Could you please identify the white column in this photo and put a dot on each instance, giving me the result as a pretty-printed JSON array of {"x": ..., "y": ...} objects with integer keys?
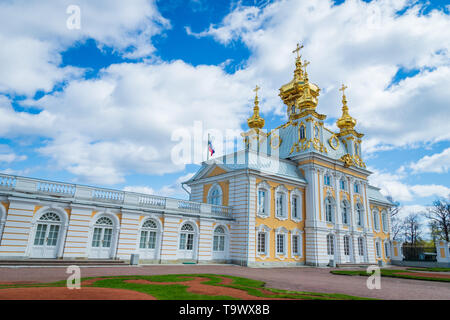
[{"x": 351, "y": 182}]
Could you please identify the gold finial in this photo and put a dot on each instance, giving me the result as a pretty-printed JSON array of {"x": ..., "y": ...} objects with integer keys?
[
  {"x": 298, "y": 50},
  {"x": 305, "y": 64},
  {"x": 345, "y": 122},
  {"x": 255, "y": 121},
  {"x": 256, "y": 90}
]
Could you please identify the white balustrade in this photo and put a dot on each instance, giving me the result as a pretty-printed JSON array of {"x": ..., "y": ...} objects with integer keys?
[{"x": 10, "y": 183}]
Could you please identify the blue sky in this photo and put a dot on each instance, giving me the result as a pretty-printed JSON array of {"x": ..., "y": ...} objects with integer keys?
[{"x": 98, "y": 105}]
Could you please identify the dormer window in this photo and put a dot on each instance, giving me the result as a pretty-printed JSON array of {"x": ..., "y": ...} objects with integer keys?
[
  {"x": 302, "y": 132},
  {"x": 327, "y": 180},
  {"x": 342, "y": 184}
]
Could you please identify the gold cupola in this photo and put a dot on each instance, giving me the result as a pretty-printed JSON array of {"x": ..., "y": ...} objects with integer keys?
[
  {"x": 300, "y": 95},
  {"x": 345, "y": 122},
  {"x": 255, "y": 121}
]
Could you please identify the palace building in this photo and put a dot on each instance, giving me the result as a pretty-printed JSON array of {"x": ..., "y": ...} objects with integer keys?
[{"x": 295, "y": 195}]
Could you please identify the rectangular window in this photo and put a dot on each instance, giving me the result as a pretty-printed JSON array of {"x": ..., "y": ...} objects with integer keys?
[
  {"x": 152, "y": 240},
  {"x": 386, "y": 249},
  {"x": 142, "y": 242},
  {"x": 377, "y": 245},
  {"x": 261, "y": 242},
  {"x": 262, "y": 201},
  {"x": 40, "y": 234},
  {"x": 107, "y": 235},
  {"x": 280, "y": 204},
  {"x": 347, "y": 246},
  {"x": 296, "y": 244},
  {"x": 361, "y": 247},
  {"x": 280, "y": 243},
  {"x": 190, "y": 242},
  {"x": 294, "y": 207},
  {"x": 330, "y": 245},
  {"x": 356, "y": 188},
  {"x": 342, "y": 185},
  {"x": 96, "y": 237},
  {"x": 384, "y": 220},
  {"x": 183, "y": 241}
]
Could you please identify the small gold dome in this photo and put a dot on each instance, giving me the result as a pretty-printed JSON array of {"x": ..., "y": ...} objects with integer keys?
[
  {"x": 255, "y": 121},
  {"x": 345, "y": 122}
]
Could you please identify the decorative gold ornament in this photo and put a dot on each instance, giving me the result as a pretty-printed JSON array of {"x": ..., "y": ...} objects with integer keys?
[
  {"x": 277, "y": 139},
  {"x": 347, "y": 159},
  {"x": 255, "y": 121},
  {"x": 334, "y": 142}
]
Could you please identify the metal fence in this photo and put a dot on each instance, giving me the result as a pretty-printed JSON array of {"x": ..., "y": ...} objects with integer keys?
[{"x": 419, "y": 253}]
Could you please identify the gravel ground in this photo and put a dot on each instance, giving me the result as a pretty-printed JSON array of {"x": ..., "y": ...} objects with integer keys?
[{"x": 299, "y": 279}]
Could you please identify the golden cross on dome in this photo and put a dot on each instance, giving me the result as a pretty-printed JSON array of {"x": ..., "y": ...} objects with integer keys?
[
  {"x": 256, "y": 90},
  {"x": 343, "y": 89},
  {"x": 298, "y": 50},
  {"x": 305, "y": 64}
]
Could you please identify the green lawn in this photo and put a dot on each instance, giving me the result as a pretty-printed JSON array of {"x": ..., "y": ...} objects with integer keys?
[
  {"x": 178, "y": 291},
  {"x": 431, "y": 269},
  {"x": 389, "y": 273}
]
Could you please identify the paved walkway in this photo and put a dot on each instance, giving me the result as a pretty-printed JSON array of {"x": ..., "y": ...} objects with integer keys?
[{"x": 299, "y": 279}]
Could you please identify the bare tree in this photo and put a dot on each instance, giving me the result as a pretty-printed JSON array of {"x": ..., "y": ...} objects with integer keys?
[
  {"x": 411, "y": 228},
  {"x": 396, "y": 221},
  {"x": 439, "y": 215}
]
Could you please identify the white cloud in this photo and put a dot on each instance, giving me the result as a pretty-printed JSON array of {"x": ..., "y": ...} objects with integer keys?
[
  {"x": 121, "y": 123},
  {"x": 438, "y": 163},
  {"x": 140, "y": 189},
  {"x": 363, "y": 45},
  {"x": 33, "y": 33},
  {"x": 393, "y": 185}
]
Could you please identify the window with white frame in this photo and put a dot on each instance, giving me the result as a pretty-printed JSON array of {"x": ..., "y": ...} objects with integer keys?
[
  {"x": 356, "y": 187},
  {"x": 345, "y": 212},
  {"x": 296, "y": 245},
  {"x": 359, "y": 215},
  {"x": 215, "y": 196},
  {"x": 361, "y": 246},
  {"x": 384, "y": 221},
  {"x": 281, "y": 243},
  {"x": 329, "y": 210},
  {"x": 148, "y": 235},
  {"x": 330, "y": 244},
  {"x": 263, "y": 200},
  {"x": 280, "y": 203},
  {"x": 376, "y": 220},
  {"x": 262, "y": 239},
  {"x": 219, "y": 239},
  {"x": 346, "y": 245},
  {"x": 378, "y": 249},
  {"x": 296, "y": 205}
]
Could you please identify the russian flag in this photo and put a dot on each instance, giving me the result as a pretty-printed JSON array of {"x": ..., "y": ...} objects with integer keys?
[{"x": 210, "y": 147}]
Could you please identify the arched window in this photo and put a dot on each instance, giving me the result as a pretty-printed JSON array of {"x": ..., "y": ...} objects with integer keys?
[
  {"x": 345, "y": 210},
  {"x": 329, "y": 210},
  {"x": 293, "y": 109},
  {"x": 356, "y": 188},
  {"x": 148, "y": 235},
  {"x": 384, "y": 221},
  {"x": 102, "y": 233},
  {"x": 330, "y": 244},
  {"x": 187, "y": 237},
  {"x": 347, "y": 245},
  {"x": 219, "y": 239},
  {"x": 47, "y": 230},
  {"x": 50, "y": 216},
  {"x": 215, "y": 196},
  {"x": 302, "y": 132},
  {"x": 376, "y": 220},
  {"x": 359, "y": 215}
]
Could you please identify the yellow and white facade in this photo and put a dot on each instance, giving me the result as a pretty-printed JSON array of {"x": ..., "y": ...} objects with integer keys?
[{"x": 296, "y": 195}]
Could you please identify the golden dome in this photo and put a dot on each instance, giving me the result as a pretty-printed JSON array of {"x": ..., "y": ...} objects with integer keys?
[
  {"x": 345, "y": 122},
  {"x": 255, "y": 121}
]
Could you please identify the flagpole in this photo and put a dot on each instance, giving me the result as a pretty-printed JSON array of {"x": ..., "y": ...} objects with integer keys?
[{"x": 207, "y": 148}]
